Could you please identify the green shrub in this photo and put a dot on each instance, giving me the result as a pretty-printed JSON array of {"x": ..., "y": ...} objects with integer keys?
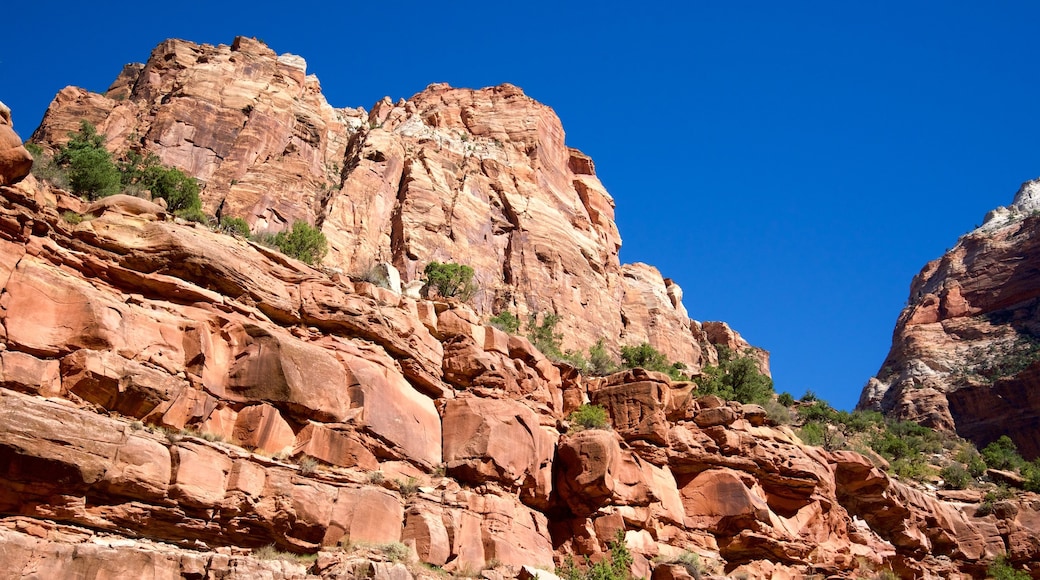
[
  {"x": 90, "y": 168},
  {"x": 589, "y": 417},
  {"x": 506, "y": 322},
  {"x": 735, "y": 380},
  {"x": 860, "y": 421},
  {"x": 173, "y": 185},
  {"x": 777, "y": 413},
  {"x": 905, "y": 439},
  {"x": 1002, "y": 454},
  {"x": 544, "y": 336},
  {"x": 688, "y": 560},
  {"x": 1031, "y": 472},
  {"x": 450, "y": 280},
  {"x": 809, "y": 397},
  {"x": 576, "y": 359},
  {"x": 193, "y": 214},
  {"x": 407, "y": 487},
  {"x": 617, "y": 567},
  {"x": 44, "y": 167},
  {"x": 180, "y": 191},
  {"x": 818, "y": 411},
  {"x": 812, "y": 433},
  {"x": 304, "y": 242},
  {"x": 785, "y": 399},
  {"x": 955, "y": 476},
  {"x": 970, "y": 457},
  {"x": 234, "y": 226},
  {"x": 1000, "y": 569},
  {"x": 600, "y": 361},
  {"x": 644, "y": 356},
  {"x": 911, "y": 467}
]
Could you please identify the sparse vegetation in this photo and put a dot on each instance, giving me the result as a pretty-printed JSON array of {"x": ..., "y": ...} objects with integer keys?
[
  {"x": 407, "y": 487},
  {"x": 1000, "y": 569},
  {"x": 589, "y": 417},
  {"x": 74, "y": 218},
  {"x": 735, "y": 379},
  {"x": 394, "y": 551},
  {"x": 146, "y": 173},
  {"x": 45, "y": 168},
  {"x": 989, "y": 501},
  {"x": 544, "y": 336},
  {"x": 303, "y": 242},
  {"x": 450, "y": 280},
  {"x": 91, "y": 172},
  {"x": 308, "y": 465},
  {"x": 647, "y": 357},
  {"x": 955, "y": 476},
  {"x": 271, "y": 552},
  {"x": 234, "y": 226},
  {"x": 506, "y": 322},
  {"x": 617, "y": 567},
  {"x": 600, "y": 361},
  {"x": 690, "y": 561}
]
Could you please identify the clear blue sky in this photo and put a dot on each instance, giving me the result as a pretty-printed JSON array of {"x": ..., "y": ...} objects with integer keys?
[{"x": 790, "y": 164}]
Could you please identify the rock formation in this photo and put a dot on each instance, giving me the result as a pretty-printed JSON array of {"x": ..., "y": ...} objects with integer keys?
[
  {"x": 178, "y": 402},
  {"x": 479, "y": 177},
  {"x": 965, "y": 350},
  {"x": 15, "y": 161}
]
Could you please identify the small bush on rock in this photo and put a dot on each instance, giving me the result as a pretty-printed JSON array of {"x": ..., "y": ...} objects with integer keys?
[
  {"x": 735, "y": 379},
  {"x": 234, "y": 226},
  {"x": 304, "y": 242},
  {"x": 90, "y": 168},
  {"x": 589, "y": 417},
  {"x": 506, "y": 322},
  {"x": 544, "y": 336},
  {"x": 450, "y": 280}
]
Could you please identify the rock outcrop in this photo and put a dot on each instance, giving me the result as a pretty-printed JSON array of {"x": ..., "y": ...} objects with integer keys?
[
  {"x": 174, "y": 399},
  {"x": 966, "y": 349},
  {"x": 178, "y": 402},
  {"x": 479, "y": 177},
  {"x": 15, "y": 161}
]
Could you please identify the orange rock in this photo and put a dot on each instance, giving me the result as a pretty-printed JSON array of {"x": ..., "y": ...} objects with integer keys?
[
  {"x": 29, "y": 374},
  {"x": 262, "y": 427},
  {"x": 499, "y": 440},
  {"x": 718, "y": 500},
  {"x": 636, "y": 410},
  {"x": 427, "y": 532},
  {"x": 368, "y": 514},
  {"x": 200, "y": 475},
  {"x": 334, "y": 446},
  {"x": 15, "y": 161}
]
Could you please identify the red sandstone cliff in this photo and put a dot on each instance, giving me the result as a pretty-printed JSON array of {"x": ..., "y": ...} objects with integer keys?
[
  {"x": 172, "y": 399},
  {"x": 480, "y": 177},
  {"x": 965, "y": 350}
]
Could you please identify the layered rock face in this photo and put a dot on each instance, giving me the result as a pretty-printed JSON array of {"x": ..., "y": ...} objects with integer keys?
[
  {"x": 478, "y": 177},
  {"x": 173, "y": 399},
  {"x": 965, "y": 350}
]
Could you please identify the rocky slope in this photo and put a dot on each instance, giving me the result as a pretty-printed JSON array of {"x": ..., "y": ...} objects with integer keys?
[
  {"x": 318, "y": 415},
  {"x": 173, "y": 400},
  {"x": 480, "y": 177},
  {"x": 966, "y": 349}
]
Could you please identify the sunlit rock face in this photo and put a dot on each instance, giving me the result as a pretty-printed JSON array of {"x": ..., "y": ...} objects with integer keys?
[
  {"x": 479, "y": 177},
  {"x": 965, "y": 349},
  {"x": 174, "y": 399}
]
